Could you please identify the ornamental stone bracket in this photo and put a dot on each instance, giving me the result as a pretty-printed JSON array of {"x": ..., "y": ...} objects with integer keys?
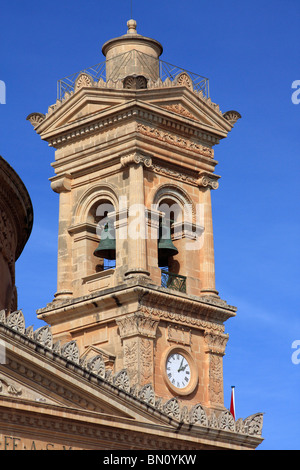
[
  {"x": 61, "y": 183},
  {"x": 136, "y": 158}
]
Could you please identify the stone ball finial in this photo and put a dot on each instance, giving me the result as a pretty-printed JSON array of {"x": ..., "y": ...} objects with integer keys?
[{"x": 131, "y": 24}]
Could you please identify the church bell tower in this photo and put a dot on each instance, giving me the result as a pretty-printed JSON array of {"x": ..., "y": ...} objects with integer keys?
[{"x": 134, "y": 170}]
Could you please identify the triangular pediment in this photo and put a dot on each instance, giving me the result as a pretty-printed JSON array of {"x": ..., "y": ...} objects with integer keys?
[
  {"x": 86, "y": 103},
  {"x": 89, "y": 105},
  {"x": 184, "y": 105}
]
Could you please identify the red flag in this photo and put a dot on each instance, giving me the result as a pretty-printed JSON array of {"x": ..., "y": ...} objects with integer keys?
[{"x": 232, "y": 403}]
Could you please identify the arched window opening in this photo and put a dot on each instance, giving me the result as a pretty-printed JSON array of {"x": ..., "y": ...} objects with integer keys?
[
  {"x": 171, "y": 215},
  {"x": 104, "y": 217}
]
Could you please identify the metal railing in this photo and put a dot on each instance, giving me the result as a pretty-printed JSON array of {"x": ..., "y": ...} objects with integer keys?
[
  {"x": 173, "y": 281},
  {"x": 149, "y": 63}
]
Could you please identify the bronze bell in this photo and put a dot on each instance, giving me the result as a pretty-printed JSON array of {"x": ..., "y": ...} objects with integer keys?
[
  {"x": 165, "y": 246},
  {"x": 107, "y": 246}
]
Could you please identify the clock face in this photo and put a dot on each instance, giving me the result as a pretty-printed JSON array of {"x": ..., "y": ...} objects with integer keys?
[{"x": 178, "y": 370}]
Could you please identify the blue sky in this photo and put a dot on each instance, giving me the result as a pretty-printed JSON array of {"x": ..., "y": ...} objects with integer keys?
[{"x": 249, "y": 50}]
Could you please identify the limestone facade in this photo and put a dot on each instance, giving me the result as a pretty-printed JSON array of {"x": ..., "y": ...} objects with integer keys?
[{"x": 127, "y": 151}]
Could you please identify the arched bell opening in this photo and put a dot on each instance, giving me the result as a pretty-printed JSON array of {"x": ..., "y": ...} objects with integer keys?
[
  {"x": 168, "y": 246},
  {"x": 103, "y": 214}
]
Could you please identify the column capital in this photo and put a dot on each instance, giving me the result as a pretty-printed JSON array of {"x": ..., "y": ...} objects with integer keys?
[
  {"x": 208, "y": 180},
  {"x": 137, "y": 324},
  {"x": 136, "y": 158}
]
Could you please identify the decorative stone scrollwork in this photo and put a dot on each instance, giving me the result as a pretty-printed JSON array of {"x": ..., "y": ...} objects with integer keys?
[
  {"x": 172, "y": 409},
  {"x": 71, "y": 352},
  {"x": 232, "y": 116},
  {"x": 226, "y": 421},
  {"x": 135, "y": 82},
  {"x": 83, "y": 80},
  {"x": 208, "y": 181},
  {"x": 147, "y": 394},
  {"x": 137, "y": 158},
  {"x": 253, "y": 424},
  {"x": 121, "y": 380},
  {"x": 16, "y": 321},
  {"x": 198, "y": 416},
  {"x": 36, "y": 119},
  {"x": 44, "y": 336},
  {"x": 97, "y": 366},
  {"x": 183, "y": 79}
]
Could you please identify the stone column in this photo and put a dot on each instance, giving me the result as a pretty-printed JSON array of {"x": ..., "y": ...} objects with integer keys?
[
  {"x": 137, "y": 230},
  {"x": 207, "y": 268},
  {"x": 62, "y": 186},
  {"x": 138, "y": 334}
]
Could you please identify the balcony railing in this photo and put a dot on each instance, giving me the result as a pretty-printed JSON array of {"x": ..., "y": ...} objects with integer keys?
[
  {"x": 129, "y": 60},
  {"x": 173, "y": 281}
]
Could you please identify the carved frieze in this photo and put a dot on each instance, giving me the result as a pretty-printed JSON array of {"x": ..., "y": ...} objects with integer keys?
[{"x": 174, "y": 139}]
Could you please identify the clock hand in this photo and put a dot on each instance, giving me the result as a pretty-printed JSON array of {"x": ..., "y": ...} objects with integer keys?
[{"x": 180, "y": 367}]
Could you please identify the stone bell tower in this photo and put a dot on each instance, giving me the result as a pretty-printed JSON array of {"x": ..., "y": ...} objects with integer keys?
[{"x": 134, "y": 169}]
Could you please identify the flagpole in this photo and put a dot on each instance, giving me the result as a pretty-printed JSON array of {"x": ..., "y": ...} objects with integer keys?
[{"x": 232, "y": 402}]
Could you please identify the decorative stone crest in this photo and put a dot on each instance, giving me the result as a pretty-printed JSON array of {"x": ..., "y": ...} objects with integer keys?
[
  {"x": 71, "y": 352},
  {"x": 36, "y": 119},
  {"x": 183, "y": 79},
  {"x": 232, "y": 116},
  {"x": 226, "y": 421},
  {"x": 147, "y": 394},
  {"x": 121, "y": 380},
  {"x": 133, "y": 82},
  {"x": 172, "y": 409},
  {"x": 44, "y": 336},
  {"x": 198, "y": 416},
  {"x": 97, "y": 366},
  {"x": 253, "y": 424},
  {"x": 83, "y": 80},
  {"x": 16, "y": 321}
]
